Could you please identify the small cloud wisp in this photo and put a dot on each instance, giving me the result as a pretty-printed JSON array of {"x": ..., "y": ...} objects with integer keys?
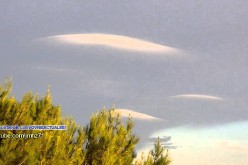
[
  {"x": 199, "y": 97},
  {"x": 136, "y": 115}
]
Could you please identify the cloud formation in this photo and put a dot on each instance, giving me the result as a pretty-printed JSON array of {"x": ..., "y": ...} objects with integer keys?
[
  {"x": 197, "y": 96},
  {"x": 113, "y": 41},
  {"x": 135, "y": 115}
]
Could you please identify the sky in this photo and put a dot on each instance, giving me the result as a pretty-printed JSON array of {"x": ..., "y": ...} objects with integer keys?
[{"x": 178, "y": 67}]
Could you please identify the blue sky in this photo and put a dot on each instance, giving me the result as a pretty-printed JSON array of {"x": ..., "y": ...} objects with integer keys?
[
  {"x": 224, "y": 144},
  {"x": 178, "y": 66}
]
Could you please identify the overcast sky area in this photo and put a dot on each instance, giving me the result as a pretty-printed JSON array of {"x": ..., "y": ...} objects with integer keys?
[{"x": 179, "y": 67}]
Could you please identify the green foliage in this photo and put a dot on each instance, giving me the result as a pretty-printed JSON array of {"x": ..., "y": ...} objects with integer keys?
[
  {"x": 55, "y": 147},
  {"x": 156, "y": 156},
  {"x": 106, "y": 140},
  {"x": 109, "y": 140}
]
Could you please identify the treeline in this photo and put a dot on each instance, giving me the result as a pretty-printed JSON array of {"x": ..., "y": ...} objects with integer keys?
[{"x": 105, "y": 140}]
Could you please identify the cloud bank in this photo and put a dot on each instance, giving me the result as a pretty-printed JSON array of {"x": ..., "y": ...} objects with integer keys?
[
  {"x": 135, "y": 115},
  {"x": 113, "y": 41},
  {"x": 197, "y": 96}
]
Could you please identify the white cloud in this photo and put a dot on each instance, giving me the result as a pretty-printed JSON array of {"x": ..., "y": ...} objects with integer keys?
[
  {"x": 197, "y": 96},
  {"x": 113, "y": 41},
  {"x": 135, "y": 115}
]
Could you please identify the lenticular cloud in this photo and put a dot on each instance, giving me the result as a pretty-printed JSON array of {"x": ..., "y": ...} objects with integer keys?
[
  {"x": 113, "y": 41},
  {"x": 135, "y": 115},
  {"x": 196, "y": 96}
]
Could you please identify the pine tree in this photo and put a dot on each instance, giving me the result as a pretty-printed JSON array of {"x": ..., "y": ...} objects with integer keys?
[
  {"x": 110, "y": 141},
  {"x": 55, "y": 147},
  {"x": 156, "y": 156},
  {"x": 106, "y": 140}
]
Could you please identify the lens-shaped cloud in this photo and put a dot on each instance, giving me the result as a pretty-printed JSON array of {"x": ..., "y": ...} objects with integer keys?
[
  {"x": 135, "y": 115},
  {"x": 197, "y": 96},
  {"x": 113, "y": 41}
]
